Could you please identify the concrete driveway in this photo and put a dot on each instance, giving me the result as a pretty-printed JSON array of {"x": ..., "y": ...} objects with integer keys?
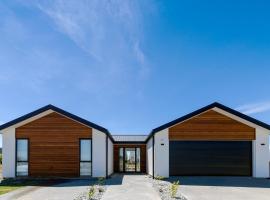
[
  {"x": 224, "y": 188},
  {"x": 130, "y": 187},
  {"x": 67, "y": 190}
]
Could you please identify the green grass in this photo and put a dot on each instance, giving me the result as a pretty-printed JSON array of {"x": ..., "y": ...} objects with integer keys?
[
  {"x": 8, "y": 185},
  {"x": 6, "y": 189}
]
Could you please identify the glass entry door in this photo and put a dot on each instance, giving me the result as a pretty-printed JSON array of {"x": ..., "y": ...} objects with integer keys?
[{"x": 129, "y": 159}]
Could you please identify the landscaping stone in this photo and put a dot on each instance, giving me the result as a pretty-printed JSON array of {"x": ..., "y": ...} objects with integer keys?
[
  {"x": 163, "y": 189},
  {"x": 99, "y": 191}
]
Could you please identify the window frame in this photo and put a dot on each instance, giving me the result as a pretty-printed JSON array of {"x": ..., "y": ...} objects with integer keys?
[
  {"x": 20, "y": 161},
  {"x": 138, "y": 165},
  {"x": 83, "y": 161},
  {"x": 124, "y": 158}
]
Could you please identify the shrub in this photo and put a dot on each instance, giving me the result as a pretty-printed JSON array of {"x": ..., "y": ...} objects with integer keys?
[
  {"x": 174, "y": 188},
  {"x": 101, "y": 181},
  {"x": 160, "y": 178},
  {"x": 101, "y": 189},
  {"x": 91, "y": 192}
]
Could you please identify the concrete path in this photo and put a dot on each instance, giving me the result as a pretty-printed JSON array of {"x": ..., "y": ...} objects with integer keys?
[
  {"x": 224, "y": 188},
  {"x": 130, "y": 187},
  {"x": 64, "y": 191}
]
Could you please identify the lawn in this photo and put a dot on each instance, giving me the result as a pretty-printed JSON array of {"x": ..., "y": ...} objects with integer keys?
[
  {"x": 8, "y": 185},
  {"x": 6, "y": 189}
]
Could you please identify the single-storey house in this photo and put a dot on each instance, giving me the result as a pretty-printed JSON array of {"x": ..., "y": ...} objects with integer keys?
[{"x": 212, "y": 141}]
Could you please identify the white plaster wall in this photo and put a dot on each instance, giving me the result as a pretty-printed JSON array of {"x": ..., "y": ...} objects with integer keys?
[
  {"x": 161, "y": 153},
  {"x": 99, "y": 153},
  {"x": 110, "y": 157},
  {"x": 149, "y": 157},
  {"x": 261, "y": 154},
  {"x": 8, "y": 140}
]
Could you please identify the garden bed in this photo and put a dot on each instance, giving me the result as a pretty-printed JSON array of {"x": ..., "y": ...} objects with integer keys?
[
  {"x": 165, "y": 189},
  {"x": 95, "y": 191}
]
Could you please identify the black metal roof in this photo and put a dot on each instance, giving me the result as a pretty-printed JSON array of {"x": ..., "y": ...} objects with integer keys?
[
  {"x": 134, "y": 138},
  {"x": 58, "y": 110},
  {"x": 208, "y": 107},
  {"x": 129, "y": 138}
]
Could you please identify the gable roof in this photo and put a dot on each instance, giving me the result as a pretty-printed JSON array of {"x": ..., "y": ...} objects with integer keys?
[
  {"x": 60, "y": 111},
  {"x": 129, "y": 138},
  {"x": 201, "y": 110}
]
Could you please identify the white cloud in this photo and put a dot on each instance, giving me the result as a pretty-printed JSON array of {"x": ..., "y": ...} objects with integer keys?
[
  {"x": 103, "y": 41},
  {"x": 106, "y": 30},
  {"x": 110, "y": 32},
  {"x": 254, "y": 108}
]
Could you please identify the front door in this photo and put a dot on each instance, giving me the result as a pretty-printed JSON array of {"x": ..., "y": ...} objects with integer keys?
[{"x": 129, "y": 159}]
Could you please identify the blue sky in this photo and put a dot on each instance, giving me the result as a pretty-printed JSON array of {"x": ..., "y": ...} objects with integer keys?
[{"x": 131, "y": 66}]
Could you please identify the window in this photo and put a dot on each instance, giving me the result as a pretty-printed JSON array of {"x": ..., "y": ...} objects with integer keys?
[
  {"x": 22, "y": 157},
  {"x": 85, "y": 157},
  {"x": 121, "y": 159},
  {"x": 138, "y": 159}
]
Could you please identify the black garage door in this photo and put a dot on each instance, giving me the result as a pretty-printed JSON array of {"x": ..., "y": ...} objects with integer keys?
[{"x": 208, "y": 158}]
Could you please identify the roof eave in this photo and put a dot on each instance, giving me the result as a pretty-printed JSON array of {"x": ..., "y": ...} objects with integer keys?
[
  {"x": 60, "y": 111},
  {"x": 201, "y": 110}
]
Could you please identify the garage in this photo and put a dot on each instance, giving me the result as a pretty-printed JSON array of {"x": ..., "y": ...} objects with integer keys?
[
  {"x": 212, "y": 141},
  {"x": 210, "y": 158},
  {"x": 210, "y": 144}
]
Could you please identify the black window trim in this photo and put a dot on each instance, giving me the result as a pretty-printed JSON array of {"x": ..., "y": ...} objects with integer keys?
[
  {"x": 124, "y": 159},
  {"x": 91, "y": 155},
  {"x": 21, "y": 161}
]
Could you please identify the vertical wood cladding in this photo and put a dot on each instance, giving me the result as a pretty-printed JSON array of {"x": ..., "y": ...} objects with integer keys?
[
  {"x": 211, "y": 125},
  {"x": 54, "y": 145},
  {"x": 116, "y": 155}
]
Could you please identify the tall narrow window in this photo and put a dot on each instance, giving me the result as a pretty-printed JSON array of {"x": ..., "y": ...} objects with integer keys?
[
  {"x": 85, "y": 157},
  {"x": 121, "y": 159},
  {"x": 138, "y": 159},
  {"x": 22, "y": 157}
]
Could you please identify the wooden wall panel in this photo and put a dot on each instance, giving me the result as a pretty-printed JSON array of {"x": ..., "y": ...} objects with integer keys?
[
  {"x": 54, "y": 145},
  {"x": 211, "y": 125},
  {"x": 116, "y": 155}
]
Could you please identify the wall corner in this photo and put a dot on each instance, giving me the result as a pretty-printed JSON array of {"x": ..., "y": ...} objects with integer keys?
[
  {"x": 161, "y": 155},
  {"x": 99, "y": 153},
  {"x": 261, "y": 154},
  {"x": 8, "y": 140}
]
